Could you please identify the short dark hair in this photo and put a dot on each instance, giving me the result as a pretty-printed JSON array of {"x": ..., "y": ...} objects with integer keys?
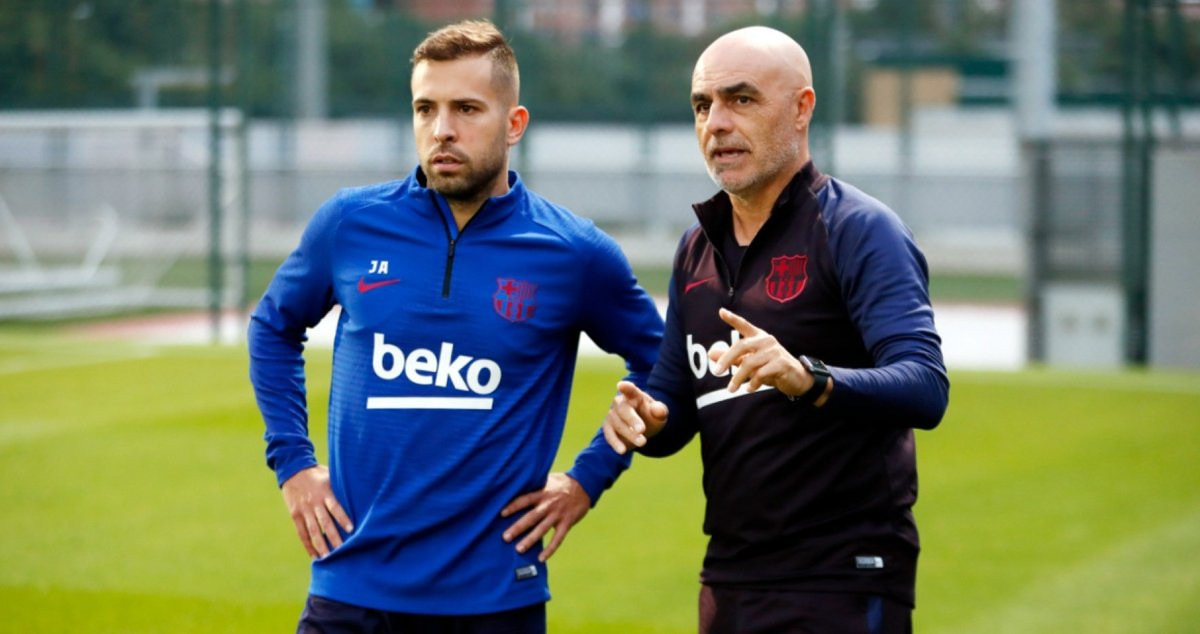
[{"x": 470, "y": 38}]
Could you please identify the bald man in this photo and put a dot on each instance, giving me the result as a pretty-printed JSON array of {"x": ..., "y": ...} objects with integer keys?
[{"x": 800, "y": 346}]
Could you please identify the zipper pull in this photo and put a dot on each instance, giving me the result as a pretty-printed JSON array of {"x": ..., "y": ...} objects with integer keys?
[{"x": 449, "y": 268}]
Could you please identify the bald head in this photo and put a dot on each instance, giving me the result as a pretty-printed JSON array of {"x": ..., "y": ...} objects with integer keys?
[
  {"x": 762, "y": 51},
  {"x": 752, "y": 98}
]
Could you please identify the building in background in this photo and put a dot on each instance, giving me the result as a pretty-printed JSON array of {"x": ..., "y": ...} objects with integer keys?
[
  {"x": 919, "y": 97},
  {"x": 605, "y": 20}
]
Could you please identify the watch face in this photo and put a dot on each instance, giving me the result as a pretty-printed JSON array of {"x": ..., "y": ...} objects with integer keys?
[{"x": 814, "y": 366}]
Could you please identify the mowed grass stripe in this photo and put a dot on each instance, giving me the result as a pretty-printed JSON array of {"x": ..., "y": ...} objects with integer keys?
[
  {"x": 41, "y": 353},
  {"x": 55, "y": 609},
  {"x": 1027, "y": 478},
  {"x": 144, "y": 385},
  {"x": 152, "y": 485},
  {"x": 1147, "y": 584},
  {"x": 1137, "y": 381},
  {"x": 182, "y": 507},
  {"x": 14, "y": 432},
  {"x": 12, "y": 367}
]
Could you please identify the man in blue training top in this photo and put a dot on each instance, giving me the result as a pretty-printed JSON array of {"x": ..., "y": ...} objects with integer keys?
[
  {"x": 800, "y": 345},
  {"x": 462, "y": 297}
]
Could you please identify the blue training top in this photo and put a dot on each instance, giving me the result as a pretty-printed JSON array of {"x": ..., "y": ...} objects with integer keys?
[{"x": 452, "y": 368}]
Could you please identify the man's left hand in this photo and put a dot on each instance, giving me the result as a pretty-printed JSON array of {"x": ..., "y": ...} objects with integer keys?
[
  {"x": 759, "y": 358},
  {"x": 559, "y": 505}
]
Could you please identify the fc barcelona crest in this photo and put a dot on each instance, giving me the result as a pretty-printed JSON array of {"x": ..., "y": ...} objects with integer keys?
[
  {"x": 789, "y": 273},
  {"x": 515, "y": 300}
]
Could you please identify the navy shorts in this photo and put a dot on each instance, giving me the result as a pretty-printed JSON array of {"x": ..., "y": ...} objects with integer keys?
[
  {"x": 325, "y": 616},
  {"x": 732, "y": 610}
]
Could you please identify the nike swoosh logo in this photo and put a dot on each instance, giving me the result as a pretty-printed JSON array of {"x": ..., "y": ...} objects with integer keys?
[
  {"x": 687, "y": 289},
  {"x": 364, "y": 285}
]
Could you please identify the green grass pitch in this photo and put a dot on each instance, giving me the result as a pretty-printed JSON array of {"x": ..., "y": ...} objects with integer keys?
[{"x": 135, "y": 499}]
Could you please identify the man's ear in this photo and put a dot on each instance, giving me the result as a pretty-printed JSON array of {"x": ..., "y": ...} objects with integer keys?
[
  {"x": 806, "y": 101},
  {"x": 518, "y": 120}
]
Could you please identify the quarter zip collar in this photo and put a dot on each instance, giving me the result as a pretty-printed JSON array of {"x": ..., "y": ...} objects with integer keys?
[
  {"x": 493, "y": 210},
  {"x": 716, "y": 213},
  {"x": 716, "y": 217}
]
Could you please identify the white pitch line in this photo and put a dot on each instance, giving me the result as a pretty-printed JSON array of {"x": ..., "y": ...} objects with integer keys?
[
  {"x": 19, "y": 366},
  {"x": 12, "y": 433}
]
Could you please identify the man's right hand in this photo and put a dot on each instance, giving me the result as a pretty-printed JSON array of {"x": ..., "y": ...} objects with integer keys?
[
  {"x": 633, "y": 417},
  {"x": 314, "y": 510}
]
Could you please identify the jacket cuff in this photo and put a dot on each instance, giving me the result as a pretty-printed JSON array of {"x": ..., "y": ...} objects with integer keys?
[
  {"x": 596, "y": 480},
  {"x": 285, "y": 469}
]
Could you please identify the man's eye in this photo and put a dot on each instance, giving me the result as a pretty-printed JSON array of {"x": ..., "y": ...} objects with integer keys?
[
  {"x": 701, "y": 108},
  {"x": 743, "y": 100},
  {"x": 466, "y": 109}
]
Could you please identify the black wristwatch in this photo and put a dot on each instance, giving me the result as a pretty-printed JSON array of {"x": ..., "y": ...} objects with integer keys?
[{"x": 820, "y": 374}]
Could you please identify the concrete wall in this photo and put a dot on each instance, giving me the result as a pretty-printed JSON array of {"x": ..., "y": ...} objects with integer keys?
[{"x": 1175, "y": 259}]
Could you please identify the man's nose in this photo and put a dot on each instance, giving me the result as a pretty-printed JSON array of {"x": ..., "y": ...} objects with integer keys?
[
  {"x": 443, "y": 129},
  {"x": 718, "y": 121}
]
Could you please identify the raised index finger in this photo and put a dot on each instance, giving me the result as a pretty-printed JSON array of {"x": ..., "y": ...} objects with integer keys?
[
  {"x": 630, "y": 391},
  {"x": 738, "y": 322}
]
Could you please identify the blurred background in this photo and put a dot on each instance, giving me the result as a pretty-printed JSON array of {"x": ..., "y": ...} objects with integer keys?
[
  {"x": 159, "y": 158},
  {"x": 166, "y": 154}
]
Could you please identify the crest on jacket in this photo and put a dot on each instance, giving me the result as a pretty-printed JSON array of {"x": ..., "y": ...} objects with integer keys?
[
  {"x": 789, "y": 274},
  {"x": 515, "y": 300}
]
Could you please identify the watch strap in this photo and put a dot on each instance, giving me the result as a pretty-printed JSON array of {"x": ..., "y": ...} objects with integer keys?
[{"x": 820, "y": 374}]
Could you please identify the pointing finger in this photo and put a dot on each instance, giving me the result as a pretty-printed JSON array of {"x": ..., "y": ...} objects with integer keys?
[
  {"x": 631, "y": 392},
  {"x": 738, "y": 322}
]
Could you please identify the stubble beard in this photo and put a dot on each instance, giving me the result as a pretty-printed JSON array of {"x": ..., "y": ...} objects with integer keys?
[
  {"x": 776, "y": 157},
  {"x": 477, "y": 176}
]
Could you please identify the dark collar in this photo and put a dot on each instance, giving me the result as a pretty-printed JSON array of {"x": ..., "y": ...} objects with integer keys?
[{"x": 716, "y": 213}]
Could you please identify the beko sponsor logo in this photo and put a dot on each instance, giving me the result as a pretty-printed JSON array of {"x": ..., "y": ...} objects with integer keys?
[
  {"x": 422, "y": 366},
  {"x": 701, "y": 366}
]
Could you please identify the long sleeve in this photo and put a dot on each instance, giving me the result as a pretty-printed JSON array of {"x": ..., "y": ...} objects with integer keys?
[
  {"x": 670, "y": 383},
  {"x": 300, "y": 294},
  {"x": 622, "y": 319},
  {"x": 885, "y": 282}
]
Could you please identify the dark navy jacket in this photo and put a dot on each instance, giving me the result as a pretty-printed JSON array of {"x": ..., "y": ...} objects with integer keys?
[{"x": 803, "y": 497}]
